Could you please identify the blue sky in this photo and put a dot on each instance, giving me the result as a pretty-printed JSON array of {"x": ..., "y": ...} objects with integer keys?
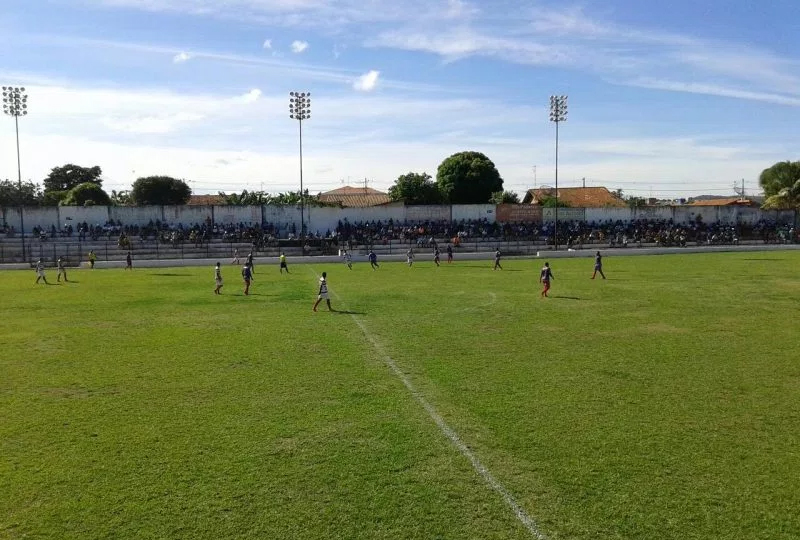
[{"x": 665, "y": 99}]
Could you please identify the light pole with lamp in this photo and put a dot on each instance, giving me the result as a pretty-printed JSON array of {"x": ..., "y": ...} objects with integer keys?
[
  {"x": 15, "y": 103},
  {"x": 300, "y": 109},
  {"x": 558, "y": 113}
]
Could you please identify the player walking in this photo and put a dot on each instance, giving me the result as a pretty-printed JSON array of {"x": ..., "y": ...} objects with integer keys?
[
  {"x": 250, "y": 263},
  {"x": 92, "y": 258},
  {"x": 436, "y": 256},
  {"x": 283, "y": 263},
  {"x": 348, "y": 259},
  {"x": 128, "y": 262},
  {"x": 598, "y": 265},
  {"x": 373, "y": 260},
  {"x": 449, "y": 253},
  {"x": 497, "y": 260},
  {"x": 247, "y": 276},
  {"x": 40, "y": 272},
  {"x": 217, "y": 278},
  {"x": 323, "y": 292},
  {"x": 235, "y": 256},
  {"x": 410, "y": 257},
  {"x": 61, "y": 270},
  {"x": 545, "y": 277}
]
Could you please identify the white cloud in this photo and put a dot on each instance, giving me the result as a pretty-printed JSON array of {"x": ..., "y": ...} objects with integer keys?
[
  {"x": 251, "y": 97},
  {"x": 181, "y": 57},
  {"x": 267, "y": 44},
  {"x": 299, "y": 46},
  {"x": 367, "y": 81}
]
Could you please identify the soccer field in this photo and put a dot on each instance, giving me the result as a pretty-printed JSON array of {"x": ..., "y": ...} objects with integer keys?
[{"x": 661, "y": 403}]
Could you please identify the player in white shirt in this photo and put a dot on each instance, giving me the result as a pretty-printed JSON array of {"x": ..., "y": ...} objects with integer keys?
[
  {"x": 217, "y": 278},
  {"x": 40, "y": 272},
  {"x": 410, "y": 257},
  {"x": 323, "y": 292},
  {"x": 61, "y": 270},
  {"x": 348, "y": 259}
]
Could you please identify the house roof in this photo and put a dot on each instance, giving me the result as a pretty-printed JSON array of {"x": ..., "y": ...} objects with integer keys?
[
  {"x": 732, "y": 201},
  {"x": 205, "y": 200},
  {"x": 355, "y": 197},
  {"x": 578, "y": 197}
]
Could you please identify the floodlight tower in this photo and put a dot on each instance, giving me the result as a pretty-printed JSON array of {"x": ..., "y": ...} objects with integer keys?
[
  {"x": 300, "y": 109},
  {"x": 15, "y": 103},
  {"x": 558, "y": 113}
]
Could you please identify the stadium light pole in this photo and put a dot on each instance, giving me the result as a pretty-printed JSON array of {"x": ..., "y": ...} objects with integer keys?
[
  {"x": 558, "y": 113},
  {"x": 15, "y": 103},
  {"x": 300, "y": 109}
]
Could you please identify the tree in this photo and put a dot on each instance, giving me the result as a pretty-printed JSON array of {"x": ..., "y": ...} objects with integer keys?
[
  {"x": 504, "y": 197},
  {"x": 246, "y": 198},
  {"x": 68, "y": 176},
  {"x": 781, "y": 185},
  {"x": 121, "y": 198},
  {"x": 160, "y": 190},
  {"x": 468, "y": 178},
  {"x": 86, "y": 194},
  {"x": 12, "y": 195},
  {"x": 551, "y": 202},
  {"x": 416, "y": 188},
  {"x": 636, "y": 202}
]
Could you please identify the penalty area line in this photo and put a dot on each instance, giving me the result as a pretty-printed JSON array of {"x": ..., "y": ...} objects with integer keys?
[{"x": 445, "y": 428}]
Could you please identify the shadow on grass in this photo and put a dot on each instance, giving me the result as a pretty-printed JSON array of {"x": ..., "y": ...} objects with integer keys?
[
  {"x": 565, "y": 297},
  {"x": 764, "y": 259},
  {"x": 346, "y": 312},
  {"x": 172, "y": 275}
]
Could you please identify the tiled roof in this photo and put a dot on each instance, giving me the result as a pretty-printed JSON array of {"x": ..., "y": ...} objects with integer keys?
[
  {"x": 355, "y": 197},
  {"x": 591, "y": 197},
  {"x": 732, "y": 201},
  {"x": 205, "y": 200}
]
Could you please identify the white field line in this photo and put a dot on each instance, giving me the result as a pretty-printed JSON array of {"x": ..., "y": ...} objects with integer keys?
[
  {"x": 493, "y": 299},
  {"x": 449, "y": 432}
]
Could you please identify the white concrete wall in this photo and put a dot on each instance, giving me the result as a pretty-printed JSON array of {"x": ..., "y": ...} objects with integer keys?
[
  {"x": 600, "y": 215},
  {"x": 474, "y": 211},
  {"x": 322, "y": 219}
]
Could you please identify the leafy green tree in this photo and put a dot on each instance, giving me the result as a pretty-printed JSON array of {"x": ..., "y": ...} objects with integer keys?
[
  {"x": 781, "y": 185},
  {"x": 86, "y": 194},
  {"x": 53, "y": 198},
  {"x": 121, "y": 198},
  {"x": 468, "y": 178},
  {"x": 551, "y": 202},
  {"x": 246, "y": 198},
  {"x": 12, "y": 195},
  {"x": 504, "y": 197},
  {"x": 68, "y": 176},
  {"x": 416, "y": 188},
  {"x": 160, "y": 190},
  {"x": 636, "y": 202}
]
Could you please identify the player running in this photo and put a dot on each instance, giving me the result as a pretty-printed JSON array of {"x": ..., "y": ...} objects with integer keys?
[
  {"x": 598, "y": 265},
  {"x": 235, "y": 256},
  {"x": 545, "y": 278},
  {"x": 323, "y": 292},
  {"x": 497, "y": 260},
  {"x": 217, "y": 279},
  {"x": 436, "y": 256},
  {"x": 449, "y": 253},
  {"x": 373, "y": 260},
  {"x": 40, "y": 272},
  {"x": 282, "y": 258},
  {"x": 61, "y": 270},
  {"x": 348, "y": 259},
  {"x": 247, "y": 276},
  {"x": 410, "y": 257}
]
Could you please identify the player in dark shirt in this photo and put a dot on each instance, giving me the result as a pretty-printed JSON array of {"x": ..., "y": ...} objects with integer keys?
[
  {"x": 247, "y": 276},
  {"x": 373, "y": 260},
  {"x": 449, "y": 253},
  {"x": 598, "y": 265},
  {"x": 545, "y": 277},
  {"x": 497, "y": 260},
  {"x": 436, "y": 256}
]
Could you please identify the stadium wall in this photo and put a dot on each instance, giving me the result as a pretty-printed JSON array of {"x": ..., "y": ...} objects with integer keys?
[{"x": 323, "y": 219}]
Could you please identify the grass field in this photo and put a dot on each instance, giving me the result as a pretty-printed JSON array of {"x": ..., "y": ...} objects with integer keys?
[{"x": 663, "y": 403}]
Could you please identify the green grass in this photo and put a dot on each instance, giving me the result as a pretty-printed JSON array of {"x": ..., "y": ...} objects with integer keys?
[{"x": 659, "y": 404}]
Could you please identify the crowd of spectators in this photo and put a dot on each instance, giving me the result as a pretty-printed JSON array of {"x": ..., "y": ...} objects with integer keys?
[{"x": 424, "y": 233}]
